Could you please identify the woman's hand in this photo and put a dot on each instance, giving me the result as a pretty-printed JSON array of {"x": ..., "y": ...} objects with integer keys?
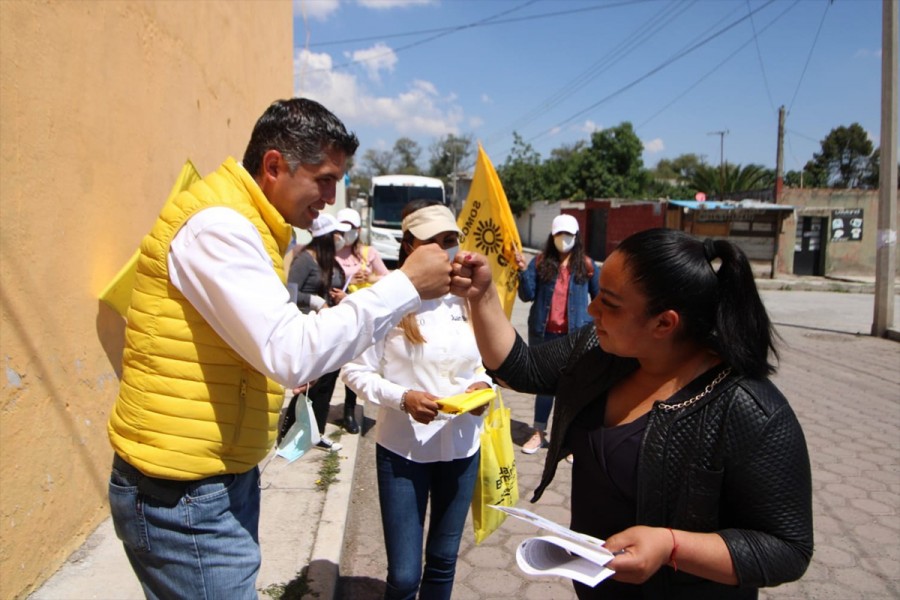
[
  {"x": 471, "y": 275},
  {"x": 302, "y": 389},
  {"x": 478, "y": 385},
  {"x": 421, "y": 406},
  {"x": 646, "y": 549},
  {"x": 361, "y": 276},
  {"x": 337, "y": 295},
  {"x": 520, "y": 261}
]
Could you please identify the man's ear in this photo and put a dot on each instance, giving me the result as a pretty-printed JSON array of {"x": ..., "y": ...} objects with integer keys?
[
  {"x": 271, "y": 163},
  {"x": 667, "y": 323}
]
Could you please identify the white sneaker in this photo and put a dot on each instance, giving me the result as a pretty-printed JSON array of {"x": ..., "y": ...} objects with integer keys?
[
  {"x": 535, "y": 443},
  {"x": 326, "y": 444}
]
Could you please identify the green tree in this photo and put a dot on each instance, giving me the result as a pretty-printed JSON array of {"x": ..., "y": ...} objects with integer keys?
[
  {"x": 845, "y": 157},
  {"x": 561, "y": 172},
  {"x": 407, "y": 152},
  {"x": 709, "y": 179},
  {"x": 671, "y": 178},
  {"x": 520, "y": 175},
  {"x": 612, "y": 166}
]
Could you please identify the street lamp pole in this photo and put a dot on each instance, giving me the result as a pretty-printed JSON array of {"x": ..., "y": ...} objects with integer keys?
[{"x": 721, "y": 135}]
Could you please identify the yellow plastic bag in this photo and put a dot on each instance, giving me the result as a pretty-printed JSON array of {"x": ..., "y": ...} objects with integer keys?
[{"x": 498, "y": 481}]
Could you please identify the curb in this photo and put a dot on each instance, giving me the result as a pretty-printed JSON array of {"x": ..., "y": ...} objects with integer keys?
[{"x": 325, "y": 559}]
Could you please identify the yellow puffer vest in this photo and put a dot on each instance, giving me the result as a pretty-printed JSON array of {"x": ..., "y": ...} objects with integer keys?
[{"x": 189, "y": 406}]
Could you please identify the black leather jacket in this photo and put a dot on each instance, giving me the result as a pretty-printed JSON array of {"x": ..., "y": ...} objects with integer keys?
[{"x": 734, "y": 463}]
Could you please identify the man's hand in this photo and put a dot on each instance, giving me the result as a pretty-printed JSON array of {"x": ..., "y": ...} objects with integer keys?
[
  {"x": 428, "y": 268},
  {"x": 471, "y": 275}
]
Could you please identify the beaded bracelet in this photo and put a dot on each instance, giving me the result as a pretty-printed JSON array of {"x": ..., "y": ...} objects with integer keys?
[
  {"x": 403, "y": 401},
  {"x": 674, "y": 550}
]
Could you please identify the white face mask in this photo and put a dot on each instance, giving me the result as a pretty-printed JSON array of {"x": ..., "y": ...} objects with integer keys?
[
  {"x": 351, "y": 236},
  {"x": 564, "y": 242},
  {"x": 451, "y": 252},
  {"x": 339, "y": 242}
]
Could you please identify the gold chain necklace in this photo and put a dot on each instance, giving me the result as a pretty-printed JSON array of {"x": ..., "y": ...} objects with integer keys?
[{"x": 703, "y": 394}]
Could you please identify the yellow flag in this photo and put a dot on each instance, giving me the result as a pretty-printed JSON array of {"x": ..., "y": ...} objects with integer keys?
[
  {"x": 117, "y": 293},
  {"x": 489, "y": 228}
]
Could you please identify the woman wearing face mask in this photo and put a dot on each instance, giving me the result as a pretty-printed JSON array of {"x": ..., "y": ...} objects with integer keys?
[
  {"x": 320, "y": 283},
  {"x": 422, "y": 455},
  {"x": 362, "y": 267},
  {"x": 561, "y": 281}
]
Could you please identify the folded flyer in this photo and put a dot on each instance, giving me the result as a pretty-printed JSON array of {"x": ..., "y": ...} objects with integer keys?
[
  {"x": 567, "y": 553},
  {"x": 466, "y": 401}
]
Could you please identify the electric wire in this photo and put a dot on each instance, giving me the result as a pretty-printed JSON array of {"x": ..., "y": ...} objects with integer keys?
[
  {"x": 762, "y": 66},
  {"x": 809, "y": 56},
  {"x": 651, "y": 72}
]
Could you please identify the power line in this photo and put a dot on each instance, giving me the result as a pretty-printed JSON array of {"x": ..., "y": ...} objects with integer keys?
[
  {"x": 762, "y": 66},
  {"x": 653, "y": 71},
  {"x": 809, "y": 56}
]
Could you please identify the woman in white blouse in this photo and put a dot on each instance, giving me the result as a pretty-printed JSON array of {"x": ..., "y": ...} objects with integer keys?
[{"x": 421, "y": 453}]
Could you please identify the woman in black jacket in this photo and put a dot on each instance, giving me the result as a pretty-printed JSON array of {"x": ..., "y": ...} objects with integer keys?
[{"x": 686, "y": 456}]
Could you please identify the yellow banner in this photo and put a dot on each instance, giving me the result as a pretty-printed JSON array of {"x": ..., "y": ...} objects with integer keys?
[
  {"x": 117, "y": 293},
  {"x": 489, "y": 228}
]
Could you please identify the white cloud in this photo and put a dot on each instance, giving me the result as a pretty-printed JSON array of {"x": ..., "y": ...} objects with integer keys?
[
  {"x": 654, "y": 146},
  {"x": 319, "y": 10},
  {"x": 418, "y": 110},
  {"x": 554, "y": 131},
  {"x": 589, "y": 127},
  {"x": 487, "y": 99},
  {"x": 865, "y": 53},
  {"x": 389, "y": 4},
  {"x": 379, "y": 57}
]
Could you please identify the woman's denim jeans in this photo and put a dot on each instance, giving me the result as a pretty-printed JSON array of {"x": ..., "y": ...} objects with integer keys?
[
  {"x": 206, "y": 546},
  {"x": 542, "y": 404},
  {"x": 403, "y": 490}
]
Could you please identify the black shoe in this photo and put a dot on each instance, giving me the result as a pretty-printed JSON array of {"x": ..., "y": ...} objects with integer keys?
[{"x": 350, "y": 424}]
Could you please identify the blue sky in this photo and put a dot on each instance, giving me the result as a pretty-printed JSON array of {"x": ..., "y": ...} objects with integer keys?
[{"x": 556, "y": 70}]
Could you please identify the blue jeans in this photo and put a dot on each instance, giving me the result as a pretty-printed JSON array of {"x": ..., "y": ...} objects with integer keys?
[
  {"x": 543, "y": 404},
  {"x": 403, "y": 490},
  {"x": 206, "y": 546}
]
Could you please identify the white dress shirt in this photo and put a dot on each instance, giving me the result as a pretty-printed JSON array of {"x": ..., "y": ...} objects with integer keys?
[
  {"x": 445, "y": 365},
  {"x": 217, "y": 260}
]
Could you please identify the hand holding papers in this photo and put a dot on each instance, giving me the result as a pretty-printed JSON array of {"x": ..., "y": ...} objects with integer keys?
[
  {"x": 566, "y": 553},
  {"x": 466, "y": 401}
]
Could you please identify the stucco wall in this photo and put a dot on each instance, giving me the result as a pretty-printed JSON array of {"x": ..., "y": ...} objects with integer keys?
[
  {"x": 100, "y": 104},
  {"x": 841, "y": 258}
]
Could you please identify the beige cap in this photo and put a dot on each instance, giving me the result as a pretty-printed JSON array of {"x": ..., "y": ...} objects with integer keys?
[{"x": 427, "y": 222}]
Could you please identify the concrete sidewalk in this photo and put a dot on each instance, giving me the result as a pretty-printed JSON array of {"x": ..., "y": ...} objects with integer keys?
[{"x": 845, "y": 388}]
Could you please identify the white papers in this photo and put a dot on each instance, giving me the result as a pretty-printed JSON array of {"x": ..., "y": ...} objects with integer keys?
[{"x": 567, "y": 553}]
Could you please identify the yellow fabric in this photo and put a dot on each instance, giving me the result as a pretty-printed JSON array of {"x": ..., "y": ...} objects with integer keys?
[
  {"x": 498, "y": 480},
  {"x": 117, "y": 293},
  {"x": 489, "y": 228},
  {"x": 463, "y": 403},
  {"x": 189, "y": 406}
]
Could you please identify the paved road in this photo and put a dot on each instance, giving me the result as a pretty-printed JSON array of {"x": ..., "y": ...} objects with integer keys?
[{"x": 846, "y": 390}]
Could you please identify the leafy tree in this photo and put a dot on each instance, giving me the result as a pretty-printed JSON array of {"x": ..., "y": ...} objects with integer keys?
[
  {"x": 672, "y": 177},
  {"x": 407, "y": 152},
  {"x": 561, "y": 172},
  {"x": 377, "y": 162},
  {"x": 521, "y": 175},
  {"x": 450, "y": 154},
  {"x": 709, "y": 179},
  {"x": 612, "y": 166},
  {"x": 845, "y": 157}
]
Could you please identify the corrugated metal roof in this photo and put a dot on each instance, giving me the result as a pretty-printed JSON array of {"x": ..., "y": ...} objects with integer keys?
[{"x": 729, "y": 205}]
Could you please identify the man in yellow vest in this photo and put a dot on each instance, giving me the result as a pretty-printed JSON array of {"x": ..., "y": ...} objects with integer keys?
[{"x": 213, "y": 337}]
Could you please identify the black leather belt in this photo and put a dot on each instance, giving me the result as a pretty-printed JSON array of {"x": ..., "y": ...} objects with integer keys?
[{"x": 166, "y": 491}]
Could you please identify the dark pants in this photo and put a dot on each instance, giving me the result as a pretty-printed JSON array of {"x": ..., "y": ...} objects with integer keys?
[{"x": 320, "y": 393}]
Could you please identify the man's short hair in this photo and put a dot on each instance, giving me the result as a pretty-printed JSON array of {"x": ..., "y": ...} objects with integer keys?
[{"x": 302, "y": 130}]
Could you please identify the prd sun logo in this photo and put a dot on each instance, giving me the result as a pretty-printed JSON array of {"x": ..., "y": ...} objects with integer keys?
[{"x": 488, "y": 238}]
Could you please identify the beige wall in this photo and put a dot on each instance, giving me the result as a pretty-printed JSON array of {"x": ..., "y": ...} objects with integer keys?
[
  {"x": 841, "y": 258},
  {"x": 100, "y": 104}
]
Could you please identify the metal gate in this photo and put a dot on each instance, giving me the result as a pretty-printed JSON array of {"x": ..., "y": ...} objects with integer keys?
[{"x": 809, "y": 246}]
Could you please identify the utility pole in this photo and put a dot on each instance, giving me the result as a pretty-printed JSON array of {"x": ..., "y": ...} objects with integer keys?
[
  {"x": 779, "y": 157},
  {"x": 886, "y": 242},
  {"x": 721, "y": 135}
]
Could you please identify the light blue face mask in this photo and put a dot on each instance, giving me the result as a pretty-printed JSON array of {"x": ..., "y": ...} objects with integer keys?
[
  {"x": 302, "y": 435},
  {"x": 451, "y": 252}
]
